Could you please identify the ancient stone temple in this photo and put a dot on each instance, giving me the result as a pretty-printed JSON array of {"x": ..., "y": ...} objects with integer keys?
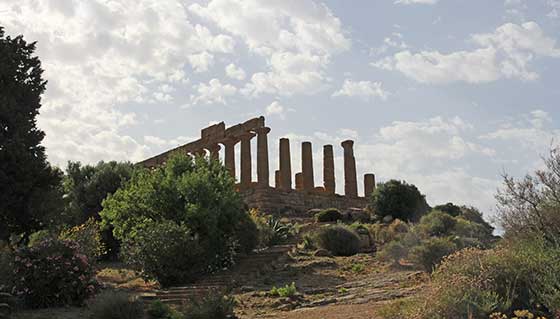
[{"x": 284, "y": 196}]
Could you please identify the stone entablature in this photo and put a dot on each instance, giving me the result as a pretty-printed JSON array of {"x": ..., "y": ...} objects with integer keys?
[{"x": 282, "y": 197}]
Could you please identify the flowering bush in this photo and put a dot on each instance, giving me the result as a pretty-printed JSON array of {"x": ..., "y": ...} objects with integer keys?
[
  {"x": 88, "y": 236},
  {"x": 53, "y": 273}
]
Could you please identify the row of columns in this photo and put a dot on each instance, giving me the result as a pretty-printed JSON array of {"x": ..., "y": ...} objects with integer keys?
[{"x": 283, "y": 177}]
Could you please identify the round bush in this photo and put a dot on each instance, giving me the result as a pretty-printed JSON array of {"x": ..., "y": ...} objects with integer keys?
[
  {"x": 116, "y": 305},
  {"x": 430, "y": 252},
  {"x": 53, "y": 273},
  {"x": 437, "y": 223},
  {"x": 328, "y": 215},
  {"x": 167, "y": 252},
  {"x": 399, "y": 200},
  {"x": 339, "y": 240}
]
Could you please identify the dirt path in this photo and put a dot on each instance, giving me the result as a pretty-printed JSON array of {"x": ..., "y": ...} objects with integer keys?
[{"x": 362, "y": 311}]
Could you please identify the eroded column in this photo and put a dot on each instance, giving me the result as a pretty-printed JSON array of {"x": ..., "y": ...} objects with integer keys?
[
  {"x": 229, "y": 155},
  {"x": 277, "y": 179},
  {"x": 263, "y": 174},
  {"x": 328, "y": 169},
  {"x": 369, "y": 184},
  {"x": 307, "y": 166},
  {"x": 299, "y": 181},
  {"x": 350, "y": 182},
  {"x": 246, "y": 159},
  {"x": 285, "y": 165},
  {"x": 214, "y": 150}
]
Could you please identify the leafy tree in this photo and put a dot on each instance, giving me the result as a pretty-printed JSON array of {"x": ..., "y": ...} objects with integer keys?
[
  {"x": 532, "y": 205},
  {"x": 198, "y": 195},
  {"x": 399, "y": 200},
  {"x": 29, "y": 186},
  {"x": 450, "y": 209},
  {"x": 86, "y": 187}
]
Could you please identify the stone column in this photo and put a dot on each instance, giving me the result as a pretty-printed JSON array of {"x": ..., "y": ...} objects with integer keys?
[
  {"x": 285, "y": 165},
  {"x": 199, "y": 152},
  {"x": 263, "y": 174},
  {"x": 214, "y": 151},
  {"x": 277, "y": 179},
  {"x": 246, "y": 159},
  {"x": 369, "y": 184},
  {"x": 299, "y": 181},
  {"x": 307, "y": 166},
  {"x": 229, "y": 156},
  {"x": 328, "y": 169},
  {"x": 350, "y": 182}
]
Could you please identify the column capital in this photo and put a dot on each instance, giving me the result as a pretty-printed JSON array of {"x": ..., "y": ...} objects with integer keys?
[
  {"x": 347, "y": 143},
  {"x": 229, "y": 141},
  {"x": 246, "y": 136},
  {"x": 262, "y": 130},
  {"x": 214, "y": 147}
]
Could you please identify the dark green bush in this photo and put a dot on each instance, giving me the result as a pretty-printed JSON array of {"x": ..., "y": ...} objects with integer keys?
[
  {"x": 53, "y": 273},
  {"x": 199, "y": 196},
  {"x": 166, "y": 251},
  {"x": 328, "y": 215},
  {"x": 339, "y": 240},
  {"x": 399, "y": 200},
  {"x": 431, "y": 251},
  {"x": 6, "y": 269},
  {"x": 212, "y": 306},
  {"x": 116, "y": 305},
  {"x": 159, "y": 310}
]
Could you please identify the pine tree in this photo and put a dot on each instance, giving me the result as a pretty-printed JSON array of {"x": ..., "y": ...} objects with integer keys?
[{"x": 28, "y": 184}]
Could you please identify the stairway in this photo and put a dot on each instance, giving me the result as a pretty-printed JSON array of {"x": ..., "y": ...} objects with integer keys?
[{"x": 247, "y": 268}]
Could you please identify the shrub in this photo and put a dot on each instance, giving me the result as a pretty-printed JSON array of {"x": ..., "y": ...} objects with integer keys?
[
  {"x": 116, "y": 305},
  {"x": 286, "y": 291},
  {"x": 271, "y": 231},
  {"x": 399, "y": 200},
  {"x": 328, "y": 215},
  {"x": 431, "y": 251},
  {"x": 212, "y": 306},
  {"x": 198, "y": 196},
  {"x": 437, "y": 223},
  {"x": 339, "y": 240},
  {"x": 88, "y": 236},
  {"x": 393, "y": 252},
  {"x": 166, "y": 251},
  {"x": 39, "y": 236},
  {"x": 53, "y": 273},
  {"x": 6, "y": 270},
  {"x": 159, "y": 310}
]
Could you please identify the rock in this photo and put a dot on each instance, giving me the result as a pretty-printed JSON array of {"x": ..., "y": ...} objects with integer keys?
[
  {"x": 322, "y": 253},
  {"x": 387, "y": 219}
]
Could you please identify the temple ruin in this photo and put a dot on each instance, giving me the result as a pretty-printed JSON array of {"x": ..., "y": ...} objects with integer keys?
[{"x": 282, "y": 197}]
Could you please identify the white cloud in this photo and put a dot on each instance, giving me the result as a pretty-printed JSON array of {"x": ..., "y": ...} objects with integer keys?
[
  {"x": 362, "y": 89},
  {"x": 505, "y": 53},
  {"x": 296, "y": 38},
  {"x": 235, "y": 72},
  {"x": 99, "y": 55},
  {"x": 275, "y": 108},
  {"x": 200, "y": 62},
  {"x": 213, "y": 92},
  {"x": 416, "y": 1}
]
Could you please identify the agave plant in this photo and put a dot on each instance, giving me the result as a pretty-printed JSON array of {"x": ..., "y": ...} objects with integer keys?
[{"x": 280, "y": 232}]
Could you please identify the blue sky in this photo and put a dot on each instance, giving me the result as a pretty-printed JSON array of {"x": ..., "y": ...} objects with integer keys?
[{"x": 445, "y": 94}]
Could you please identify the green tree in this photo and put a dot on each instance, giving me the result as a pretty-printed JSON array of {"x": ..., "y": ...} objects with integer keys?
[
  {"x": 399, "y": 200},
  {"x": 29, "y": 186},
  {"x": 196, "y": 194}
]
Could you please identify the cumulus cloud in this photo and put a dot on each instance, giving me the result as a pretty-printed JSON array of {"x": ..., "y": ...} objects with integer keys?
[
  {"x": 235, "y": 72},
  {"x": 505, "y": 53},
  {"x": 362, "y": 89},
  {"x": 98, "y": 55},
  {"x": 295, "y": 38},
  {"x": 275, "y": 108},
  {"x": 213, "y": 92}
]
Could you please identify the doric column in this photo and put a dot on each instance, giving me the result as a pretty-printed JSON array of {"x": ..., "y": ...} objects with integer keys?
[
  {"x": 229, "y": 156},
  {"x": 277, "y": 179},
  {"x": 214, "y": 150},
  {"x": 307, "y": 166},
  {"x": 263, "y": 174},
  {"x": 246, "y": 159},
  {"x": 299, "y": 181},
  {"x": 285, "y": 165},
  {"x": 350, "y": 182},
  {"x": 328, "y": 169},
  {"x": 369, "y": 184}
]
